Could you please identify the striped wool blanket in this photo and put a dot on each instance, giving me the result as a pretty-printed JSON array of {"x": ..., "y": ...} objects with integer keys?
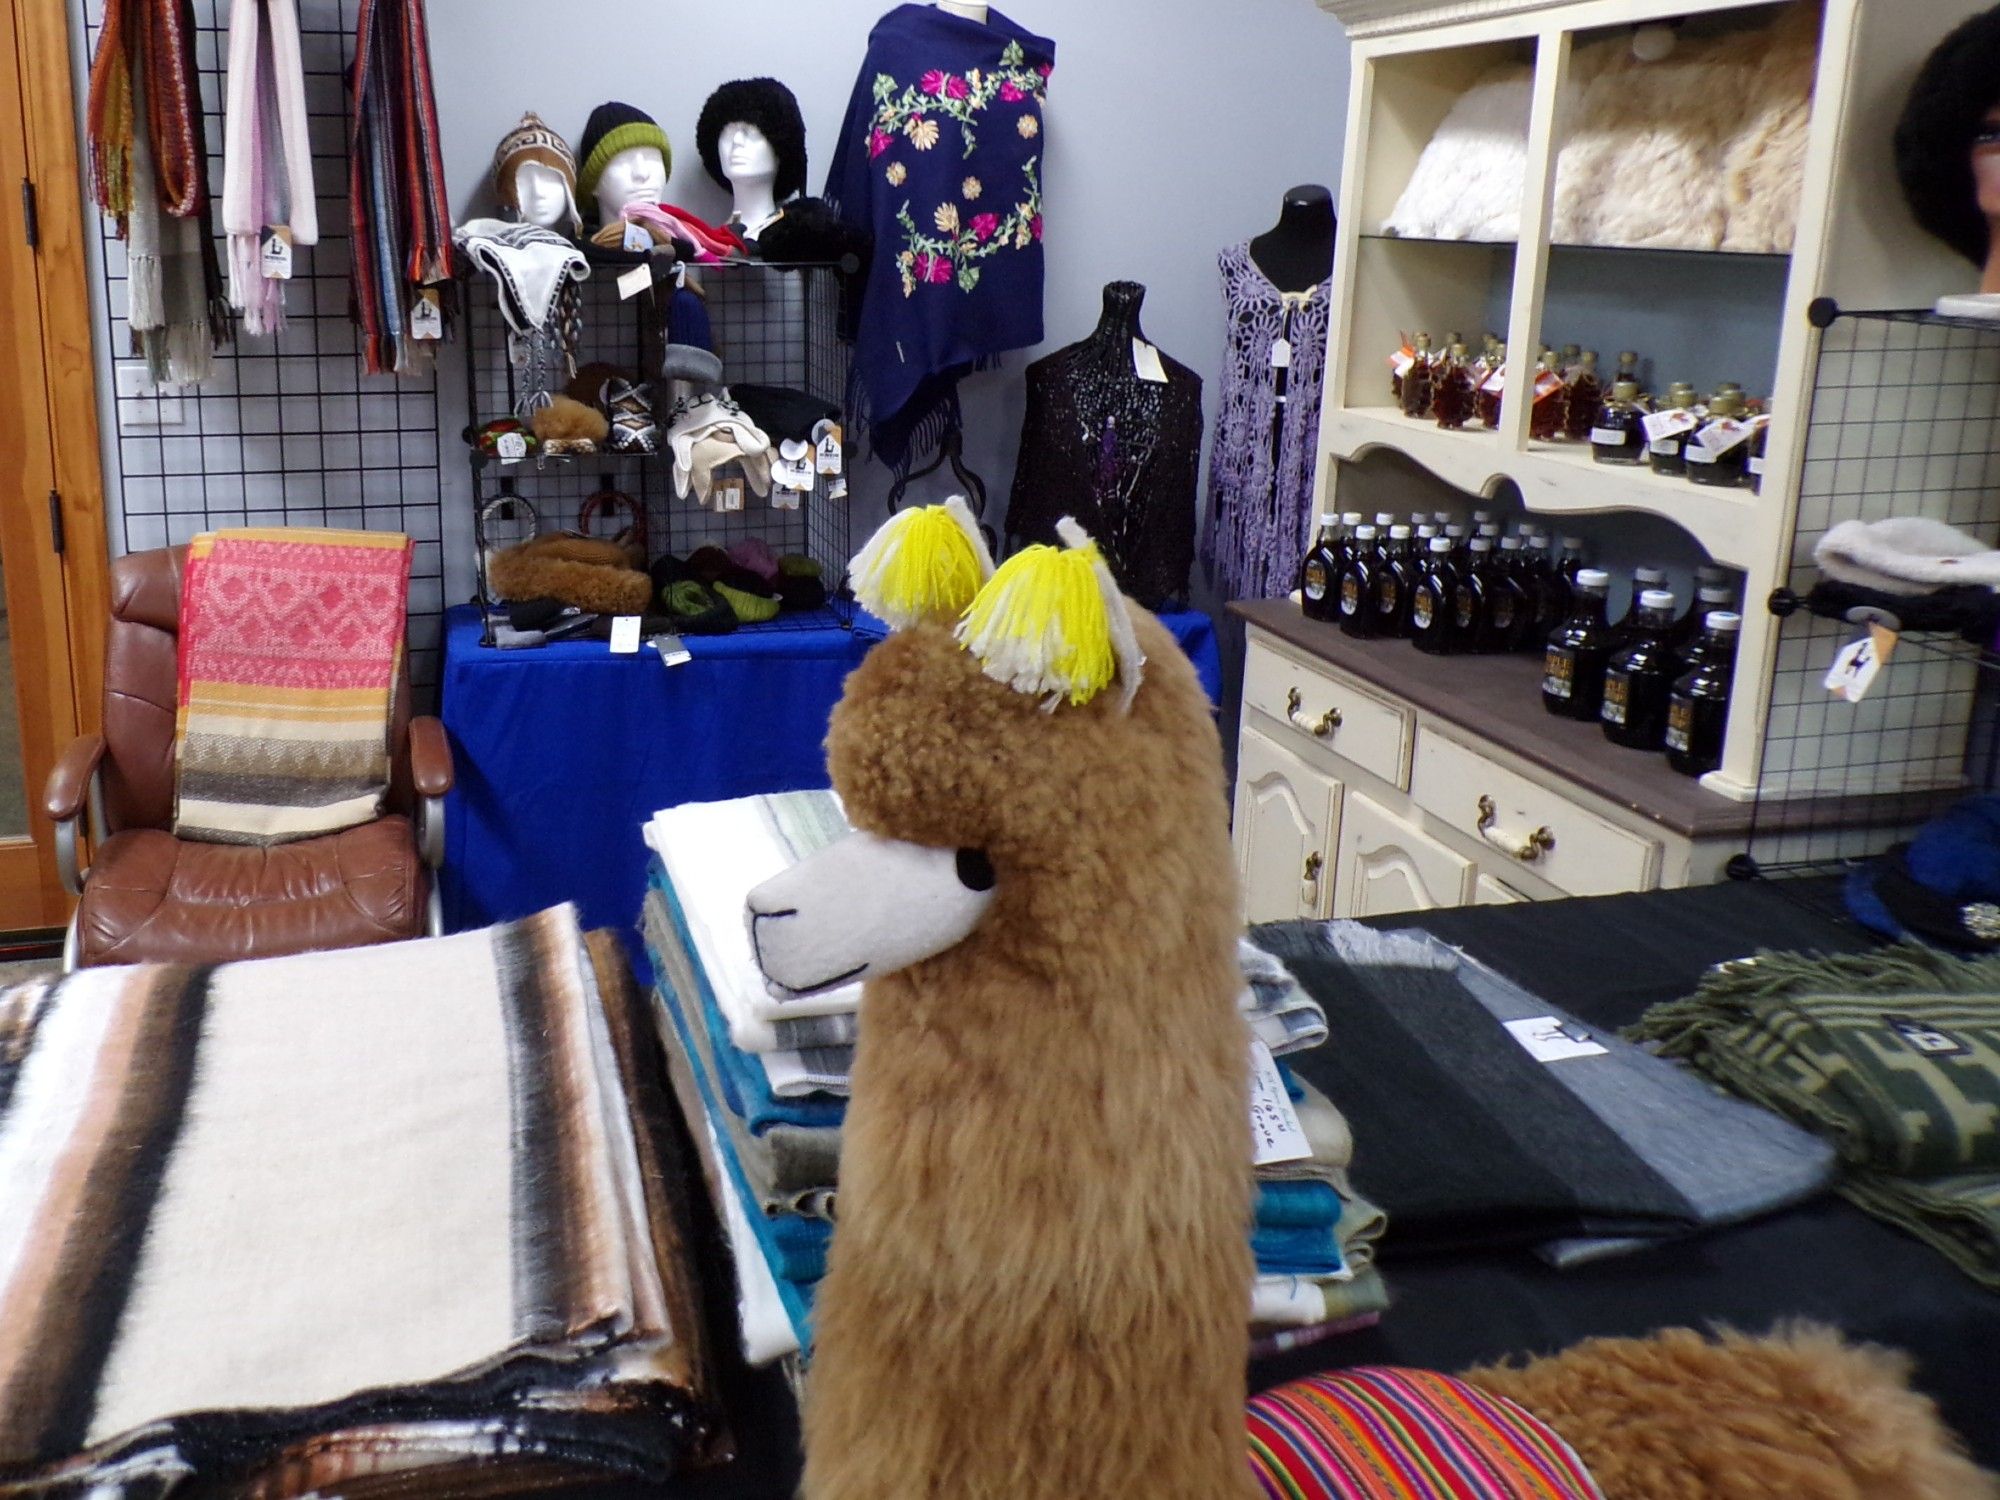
[
  {"x": 291, "y": 639},
  {"x": 1893, "y": 1056},
  {"x": 284, "y": 1224}
]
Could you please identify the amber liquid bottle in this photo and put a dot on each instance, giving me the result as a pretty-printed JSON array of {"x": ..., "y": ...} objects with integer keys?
[
  {"x": 1433, "y": 600},
  {"x": 1319, "y": 575},
  {"x": 1550, "y": 592},
  {"x": 1550, "y": 413},
  {"x": 1510, "y": 600},
  {"x": 1639, "y": 678},
  {"x": 1417, "y": 380},
  {"x": 1668, "y": 455},
  {"x": 1617, "y": 434},
  {"x": 1578, "y": 651},
  {"x": 1457, "y": 386},
  {"x": 1392, "y": 585},
  {"x": 1586, "y": 394},
  {"x": 1698, "y": 705},
  {"x": 1475, "y": 581},
  {"x": 1487, "y": 399},
  {"x": 1357, "y": 586}
]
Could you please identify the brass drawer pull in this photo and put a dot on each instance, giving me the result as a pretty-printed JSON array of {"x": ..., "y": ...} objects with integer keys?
[
  {"x": 1319, "y": 729},
  {"x": 1527, "y": 849},
  {"x": 1309, "y": 880}
]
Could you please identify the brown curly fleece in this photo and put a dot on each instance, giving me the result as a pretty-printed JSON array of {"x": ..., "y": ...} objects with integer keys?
[
  {"x": 1798, "y": 1415},
  {"x": 592, "y": 575},
  {"x": 1038, "y": 1288},
  {"x": 565, "y": 419}
]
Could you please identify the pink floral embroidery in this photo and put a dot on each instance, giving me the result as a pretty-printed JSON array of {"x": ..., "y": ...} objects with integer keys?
[
  {"x": 983, "y": 226},
  {"x": 878, "y": 142},
  {"x": 933, "y": 268},
  {"x": 957, "y": 88},
  {"x": 1011, "y": 92},
  {"x": 1035, "y": 226},
  {"x": 934, "y": 81},
  {"x": 1045, "y": 68}
]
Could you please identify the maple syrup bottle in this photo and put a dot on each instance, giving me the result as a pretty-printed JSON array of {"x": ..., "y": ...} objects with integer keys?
[
  {"x": 1639, "y": 679},
  {"x": 1718, "y": 453},
  {"x": 1350, "y": 522},
  {"x": 1628, "y": 368},
  {"x": 1550, "y": 591},
  {"x": 1617, "y": 433},
  {"x": 1433, "y": 599},
  {"x": 1546, "y": 418},
  {"x": 1586, "y": 394},
  {"x": 1457, "y": 390},
  {"x": 1319, "y": 575},
  {"x": 1475, "y": 583},
  {"x": 1712, "y": 591},
  {"x": 1392, "y": 584},
  {"x": 1569, "y": 562},
  {"x": 1753, "y": 466},
  {"x": 1399, "y": 366},
  {"x": 1510, "y": 600},
  {"x": 1668, "y": 455},
  {"x": 1357, "y": 586},
  {"x": 1457, "y": 534},
  {"x": 1417, "y": 388},
  {"x": 1698, "y": 705},
  {"x": 1578, "y": 651},
  {"x": 1487, "y": 399},
  {"x": 1644, "y": 577}
]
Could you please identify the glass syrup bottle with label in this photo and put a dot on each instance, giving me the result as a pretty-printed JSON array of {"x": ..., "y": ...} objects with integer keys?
[
  {"x": 1616, "y": 435},
  {"x": 1625, "y": 629},
  {"x": 1753, "y": 466},
  {"x": 1417, "y": 387},
  {"x": 1392, "y": 582},
  {"x": 1667, "y": 455},
  {"x": 1432, "y": 600},
  {"x": 1475, "y": 581},
  {"x": 1712, "y": 591},
  {"x": 1698, "y": 705},
  {"x": 1487, "y": 399},
  {"x": 1639, "y": 678},
  {"x": 1586, "y": 394},
  {"x": 1550, "y": 411},
  {"x": 1578, "y": 651},
  {"x": 1457, "y": 389},
  {"x": 1357, "y": 586},
  {"x": 1719, "y": 450},
  {"x": 1569, "y": 561},
  {"x": 1550, "y": 591},
  {"x": 1628, "y": 369},
  {"x": 1319, "y": 575},
  {"x": 1510, "y": 599}
]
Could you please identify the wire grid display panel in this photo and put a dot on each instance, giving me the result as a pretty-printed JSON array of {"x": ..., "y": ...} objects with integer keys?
[
  {"x": 288, "y": 431},
  {"x": 771, "y": 325},
  {"x": 1905, "y": 421}
]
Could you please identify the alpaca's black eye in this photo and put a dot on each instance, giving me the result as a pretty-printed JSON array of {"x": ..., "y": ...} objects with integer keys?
[{"x": 975, "y": 870}]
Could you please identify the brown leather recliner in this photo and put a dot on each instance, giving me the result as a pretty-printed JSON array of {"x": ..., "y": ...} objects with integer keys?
[{"x": 149, "y": 897}]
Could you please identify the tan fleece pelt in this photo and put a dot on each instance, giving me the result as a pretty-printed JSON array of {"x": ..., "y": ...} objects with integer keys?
[
  {"x": 1765, "y": 163},
  {"x": 593, "y": 575},
  {"x": 1038, "y": 1289},
  {"x": 1801, "y": 1413}
]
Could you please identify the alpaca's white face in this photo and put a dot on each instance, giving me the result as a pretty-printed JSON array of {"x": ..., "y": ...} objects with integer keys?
[{"x": 864, "y": 907}]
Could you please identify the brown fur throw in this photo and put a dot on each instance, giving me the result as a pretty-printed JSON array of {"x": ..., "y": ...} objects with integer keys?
[
  {"x": 568, "y": 421},
  {"x": 1802, "y": 1413},
  {"x": 1038, "y": 1287},
  {"x": 590, "y": 574}
]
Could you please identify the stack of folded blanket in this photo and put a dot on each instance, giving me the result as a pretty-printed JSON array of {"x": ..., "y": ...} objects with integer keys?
[
  {"x": 361, "y": 1222},
  {"x": 763, "y": 1082}
]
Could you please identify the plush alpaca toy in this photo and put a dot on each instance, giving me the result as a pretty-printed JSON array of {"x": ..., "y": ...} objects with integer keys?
[{"x": 1039, "y": 1283}]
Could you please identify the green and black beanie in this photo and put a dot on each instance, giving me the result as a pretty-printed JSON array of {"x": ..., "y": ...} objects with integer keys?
[{"x": 613, "y": 128}]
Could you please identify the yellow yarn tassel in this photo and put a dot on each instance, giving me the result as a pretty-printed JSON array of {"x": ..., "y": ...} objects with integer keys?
[
  {"x": 1041, "y": 625},
  {"x": 923, "y": 564}
]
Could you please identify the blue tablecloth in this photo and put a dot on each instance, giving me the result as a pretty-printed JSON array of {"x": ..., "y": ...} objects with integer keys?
[{"x": 564, "y": 751}]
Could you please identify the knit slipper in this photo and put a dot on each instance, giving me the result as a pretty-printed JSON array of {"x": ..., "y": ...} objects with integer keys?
[
  {"x": 632, "y": 427},
  {"x": 694, "y": 610},
  {"x": 798, "y": 565},
  {"x": 751, "y": 609}
]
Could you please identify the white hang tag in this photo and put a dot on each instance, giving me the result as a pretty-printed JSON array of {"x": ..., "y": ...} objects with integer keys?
[
  {"x": 1548, "y": 1039},
  {"x": 1281, "y": 354},
  {"x": 511, "y": 447},
  {"x": 624, "y": 635},
  {"x": 1275, "y": 1132},
  {"x": 826, "y": 447},
  {"x": 1401, "y": 361},
  {"x": 1661, "y": 425},
  {"x": 274, "y": 252},
  {"x": 728, "y": 494},
  {"x": 838, "y": 489},
  {"x": 783, "y": 498},
  {"x": 1497, "y": 381},
  {"x": 1146, "y": 360},
  {"x": 636, "y": 238},
  {"x": 1721, "y": 435},
  {"x": 426, "y": 316},
  {"x": 638, "y": 279},
  {"x": 673, "y": 650},
  {"x": 1854, "y": 670}
]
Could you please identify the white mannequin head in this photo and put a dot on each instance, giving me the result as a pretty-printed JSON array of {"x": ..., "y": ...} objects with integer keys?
[
  {"x": 750, "y": 162},
  {"x": 637, "y": 174},
  {"x": 542, "y": 194}
]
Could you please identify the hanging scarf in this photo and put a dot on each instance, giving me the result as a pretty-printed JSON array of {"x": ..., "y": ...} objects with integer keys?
[
  {"x": 535, "y": 272},
  {"x": 940, "y": 160},
  {"x": 154, "y": 183},
  {"x": 266, "y": 156},
  {"x": 395, "y": 179}
]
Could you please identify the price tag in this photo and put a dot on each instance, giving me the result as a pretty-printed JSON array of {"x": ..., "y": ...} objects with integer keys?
[
  {"x": 1854, "y": 670},
  {"x": 673, "y": 650},
  {"x": 1497, "y": 381},
  {"x": 636, "y": 238},
  {"x": 1275, "y": 1132},
  {"x": 838, "y": 489},
  {"x": 426, "y": 316},
  {"x": 274, "y": 252},
  {"x": 1661, "y": 425},
  {"x": 1401, "y": 361},
  {"x": 1547, "y": 1039},
  {"x": 1721, "y": 435},
  {"x": 1146, "y": 360},
  {"x": 510, "y": 447},
  {"x": 826, "y": 447},
  {"x": 1281, "y": 354},
  {"x": 638, "y": 279},
  {"x": 1609, "y": 437},
  {"x": 728, "y": 494},
  {"x": 625, "y": 635}
]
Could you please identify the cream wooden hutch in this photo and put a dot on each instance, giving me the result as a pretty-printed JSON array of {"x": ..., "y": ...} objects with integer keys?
[{"x": 1371, "y": 779}]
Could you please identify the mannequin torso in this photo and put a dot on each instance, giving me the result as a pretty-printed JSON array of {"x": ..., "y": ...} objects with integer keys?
[{"x": 1297, "y": 252}]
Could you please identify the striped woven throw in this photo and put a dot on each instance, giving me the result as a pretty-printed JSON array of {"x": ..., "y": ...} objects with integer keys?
[
  {"x": 290, "y": 643},
  {"x": 1382, "y": 1434}
]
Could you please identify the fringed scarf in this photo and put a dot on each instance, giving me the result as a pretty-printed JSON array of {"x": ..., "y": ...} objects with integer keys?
[
  {"x": 153, "y": 180},
  {"x": 395, "y": 178},
  {"x": 267, "y": 175}
]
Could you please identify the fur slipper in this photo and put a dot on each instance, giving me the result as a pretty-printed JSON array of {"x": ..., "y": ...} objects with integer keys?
[
  {"x": 567, "y": 425},
  {"x": 1906, "y": 555},
  {"x": 590, "y": 574}
]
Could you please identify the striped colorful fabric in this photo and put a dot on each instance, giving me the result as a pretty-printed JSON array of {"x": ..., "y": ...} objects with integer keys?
[
  {"x": 1383, "y": 1434},
  {"x": 290, "y": 643}
]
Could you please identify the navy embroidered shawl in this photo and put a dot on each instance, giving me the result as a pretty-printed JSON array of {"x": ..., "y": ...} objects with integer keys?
[{"x": 939, "y": 159}]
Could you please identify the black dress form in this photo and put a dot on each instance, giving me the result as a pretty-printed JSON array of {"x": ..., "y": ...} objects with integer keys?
[
  {"x": 1117, "y": 450},
  {"x": 1296, "y": 253}
]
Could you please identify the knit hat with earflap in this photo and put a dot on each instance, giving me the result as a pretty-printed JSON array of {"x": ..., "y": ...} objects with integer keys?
[
  {"x": 532, "y": 140},
  {"x": 612, "y": 128},
  {"x": 773, "y": 109}
]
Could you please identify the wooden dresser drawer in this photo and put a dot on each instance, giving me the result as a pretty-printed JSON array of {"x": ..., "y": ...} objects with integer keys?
[
  {"x": 1323, "y": 708},
  {"x": 1564, "y": 843}
]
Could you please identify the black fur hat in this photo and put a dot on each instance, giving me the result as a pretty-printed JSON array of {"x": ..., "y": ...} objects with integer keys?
[
  {"x": 1958, "y": 84},
  {"x": 771, "y": 107}
]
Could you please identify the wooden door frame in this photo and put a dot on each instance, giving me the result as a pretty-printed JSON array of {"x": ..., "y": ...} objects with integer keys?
[{"x": 61, "y": 455}]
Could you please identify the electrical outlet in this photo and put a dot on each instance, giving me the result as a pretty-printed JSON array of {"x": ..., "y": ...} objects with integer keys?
[{"x": 155, "y": 405}]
